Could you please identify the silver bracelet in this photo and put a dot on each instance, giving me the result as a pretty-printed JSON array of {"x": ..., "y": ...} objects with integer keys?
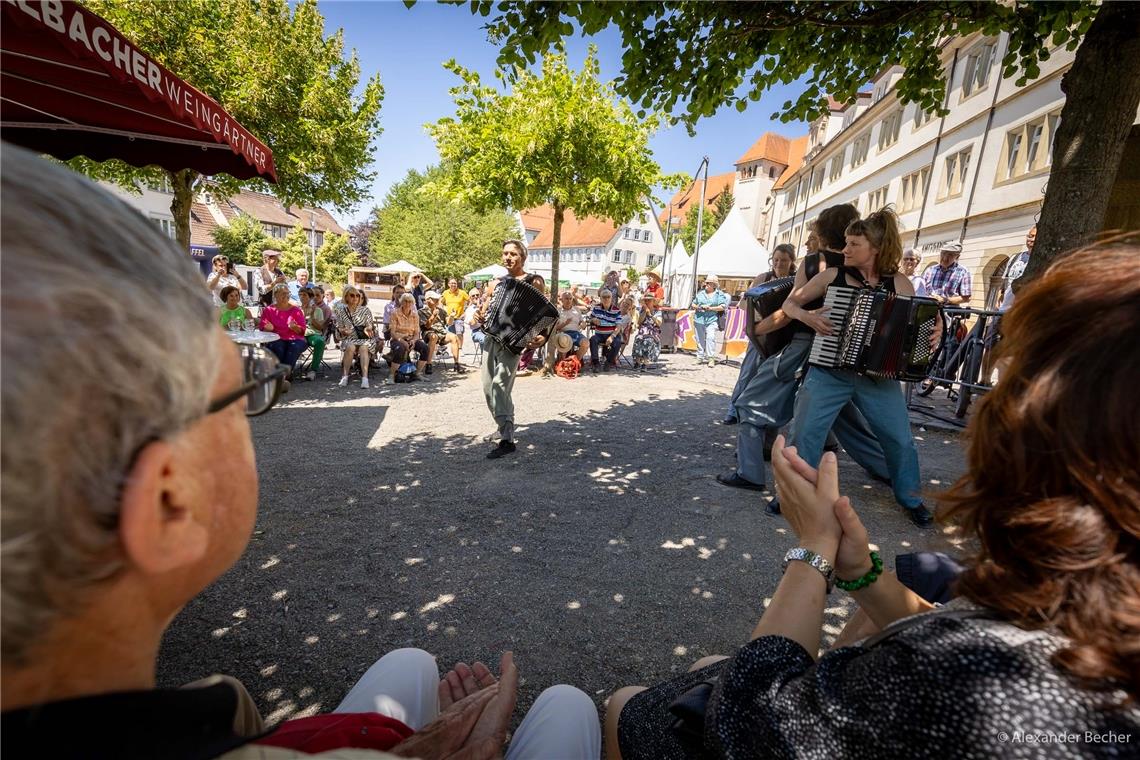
[{"x": 818, "y": 561}]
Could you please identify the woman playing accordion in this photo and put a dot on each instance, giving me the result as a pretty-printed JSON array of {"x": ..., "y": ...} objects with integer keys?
[{"x": 871, "y": 259}]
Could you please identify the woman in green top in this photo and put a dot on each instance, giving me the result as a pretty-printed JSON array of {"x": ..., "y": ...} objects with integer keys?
[{"x": 231, "y": 306}]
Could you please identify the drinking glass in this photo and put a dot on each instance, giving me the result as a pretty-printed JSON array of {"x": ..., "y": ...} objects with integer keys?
[
  {"x": 234, "y": 325},
  {"x": 249, "y": 325}
]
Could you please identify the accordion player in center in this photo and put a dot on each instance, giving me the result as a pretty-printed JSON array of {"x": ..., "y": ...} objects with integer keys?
[{"x": 870, "y": 331}]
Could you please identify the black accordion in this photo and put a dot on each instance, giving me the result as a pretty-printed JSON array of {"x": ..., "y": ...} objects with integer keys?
[
  {"x": 518, "y": 314},
  {"x": 876, "y": 333},
  {"x": 760, "y": 302}
]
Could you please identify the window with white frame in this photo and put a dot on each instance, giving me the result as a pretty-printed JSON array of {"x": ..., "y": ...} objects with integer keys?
[
  {"x": 860, "y": 148},
  {"x": 912, "y": 190},
  {"x": 876, "y": 199},
  {"x": 1029, "y": 147},
  {"x": 161, "y": 185},
  {"x": 804, "y": 188},
  {"x": 165, "y": 224},
  {"x": 817, "y": 180},
  {"x": 617, "y": 255},
  {"x": 627, "y": 257},
  {"x": 979, "y": 61},
  {"x": 922, "y": 117},
  {"x": 889, "y": 129},
  {"x": 954, "y": 177},
  {"x": 648, "y": 235},
  {"x": 836, "y": 166}
]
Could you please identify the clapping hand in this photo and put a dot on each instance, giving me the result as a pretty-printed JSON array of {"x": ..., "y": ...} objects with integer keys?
[
  {"x": 475, "y": 710},
  {"x": 853, "y": 558}
]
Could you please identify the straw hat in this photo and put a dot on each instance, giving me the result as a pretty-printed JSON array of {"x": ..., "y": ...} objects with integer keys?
[{"x": 563, "y": 342}]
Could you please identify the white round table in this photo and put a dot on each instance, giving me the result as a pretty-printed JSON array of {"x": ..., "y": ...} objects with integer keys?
[{"x": 252, "y": 337}]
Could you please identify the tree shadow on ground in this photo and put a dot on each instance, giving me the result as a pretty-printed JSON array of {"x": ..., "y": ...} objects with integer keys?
[{"x": 603, "y": 553}]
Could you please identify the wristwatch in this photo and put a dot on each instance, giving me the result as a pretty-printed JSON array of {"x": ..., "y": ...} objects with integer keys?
[{"x": 818, "y": 561}]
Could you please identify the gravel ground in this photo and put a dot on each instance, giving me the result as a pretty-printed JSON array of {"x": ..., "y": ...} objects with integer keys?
[{"x": 603, "y": 552}]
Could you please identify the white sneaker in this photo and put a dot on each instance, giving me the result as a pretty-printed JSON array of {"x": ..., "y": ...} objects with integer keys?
[
  {"x": 311, "y": 375},
  {"x": 712, "y": 362},
  {"x": 364, "y": 382},
  {"x": 343, "y": 381}
]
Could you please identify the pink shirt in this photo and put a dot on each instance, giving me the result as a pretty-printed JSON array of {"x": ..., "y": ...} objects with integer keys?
[{"x": 279, "y": 321}]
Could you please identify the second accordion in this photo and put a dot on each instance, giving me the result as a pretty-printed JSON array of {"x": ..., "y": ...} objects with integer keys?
[
  {"x": 761, "y": 302},
  {"x": 518, "y": 313},
  {"x": 877, "y": 333}
]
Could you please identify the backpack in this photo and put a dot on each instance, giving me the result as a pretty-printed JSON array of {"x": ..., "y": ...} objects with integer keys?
[{"x": 406, "y": 372}]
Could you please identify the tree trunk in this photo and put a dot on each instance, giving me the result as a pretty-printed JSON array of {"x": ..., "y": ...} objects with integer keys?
[
  {"x": 182, "y": 183},
  {"x": 1102, "y": 90},
  {"x": 554, "y": 247}
]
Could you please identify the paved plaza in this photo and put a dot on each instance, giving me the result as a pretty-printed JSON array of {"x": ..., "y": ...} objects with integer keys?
[{"x": 603, "y": 552}]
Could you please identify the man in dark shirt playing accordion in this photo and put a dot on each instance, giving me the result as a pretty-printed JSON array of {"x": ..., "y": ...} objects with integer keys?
[
  {"x": 500, "y": 364},
  {"x": 871, "y": 259}
]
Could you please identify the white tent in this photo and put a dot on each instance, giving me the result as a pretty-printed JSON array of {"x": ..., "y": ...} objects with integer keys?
[
  {"x": 401, "y": 266},
  {"x": 679, "y": 279},
  {"x": 490, "y": 272},
  {"x": 732, "y": 251}
]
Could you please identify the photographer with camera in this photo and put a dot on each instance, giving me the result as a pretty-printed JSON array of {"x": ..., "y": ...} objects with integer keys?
[{"x": 224, "y": 275}]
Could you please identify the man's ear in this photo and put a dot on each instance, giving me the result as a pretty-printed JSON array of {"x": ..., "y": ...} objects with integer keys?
[{"x": 159, "y": 524}]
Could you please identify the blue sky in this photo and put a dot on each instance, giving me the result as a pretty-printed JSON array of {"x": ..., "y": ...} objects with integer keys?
[{"x": 407, "y": 47}]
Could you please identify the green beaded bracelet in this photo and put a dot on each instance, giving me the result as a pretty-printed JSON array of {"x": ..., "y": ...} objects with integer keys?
[{"x": 867, "y": 578}]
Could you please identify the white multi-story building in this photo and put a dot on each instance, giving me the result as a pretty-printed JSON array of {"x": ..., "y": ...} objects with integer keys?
[
  {"x": 975, "y": 176},
  {"x": 590, "y": 247}
]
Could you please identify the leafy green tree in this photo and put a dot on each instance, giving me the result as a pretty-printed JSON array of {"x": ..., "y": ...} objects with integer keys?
[
  {"x": 270, "y": 65},
  {"x": 243, "y": 240},
  {"x": 705, "y": 55},
  {"x": 443, "y": 236},
  {"x": 295, "y": 252},
  {"x": 724, "y": 203},
  {"x": 334, "y": 259},
  {"x": 559, "y": 137}
]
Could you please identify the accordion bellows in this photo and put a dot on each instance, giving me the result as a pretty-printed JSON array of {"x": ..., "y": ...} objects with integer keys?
[{"x": 518, "y": 314}]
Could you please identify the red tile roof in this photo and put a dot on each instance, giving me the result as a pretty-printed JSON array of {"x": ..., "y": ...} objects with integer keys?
[
  {"x": 718, "y": 183},
  {"x": 771, "y": 147},
  {"x": 589, "y": 230},
  {"x": 268, "y": 210},
  {"x": 537, "y": 218},
  {"x": 796, "y": 150},
  {"x": 202, "y": 225}
]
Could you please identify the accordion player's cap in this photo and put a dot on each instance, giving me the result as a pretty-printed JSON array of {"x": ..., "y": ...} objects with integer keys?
[
  {"x": 432, "y": 295},
  {"x": 955, "y": 248}
]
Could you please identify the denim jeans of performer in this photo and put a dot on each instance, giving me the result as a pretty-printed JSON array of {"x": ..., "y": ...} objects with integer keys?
[
  {"x": 596, "y": 341},
  {"x": 499, "y": 368},
  {"x": 824, "y": 393},
  {"x": 752, "y": 361},
  {"x": 706, "y": 336}
]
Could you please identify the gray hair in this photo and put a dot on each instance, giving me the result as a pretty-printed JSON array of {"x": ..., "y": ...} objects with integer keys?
[
  {"x": 301, "y": 271},
  {"x": 407, "y": 297},
  {"x": 68, "y": 248}
]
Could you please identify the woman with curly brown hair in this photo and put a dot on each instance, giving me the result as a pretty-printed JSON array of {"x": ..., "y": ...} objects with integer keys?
[{"x": 1039, "y": 654}]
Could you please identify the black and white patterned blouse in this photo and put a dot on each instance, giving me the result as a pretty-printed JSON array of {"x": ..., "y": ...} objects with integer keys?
[
  {"x": 346, "y": 322},
  {"x": 942, "y": 687}
]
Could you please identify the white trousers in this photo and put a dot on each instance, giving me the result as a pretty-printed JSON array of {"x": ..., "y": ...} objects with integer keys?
[{"x": 404, "y": 684}]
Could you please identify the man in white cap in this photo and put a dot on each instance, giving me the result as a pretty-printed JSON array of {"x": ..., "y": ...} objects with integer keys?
[
  {"x": 949, "y": 282},
  {"x": 710, "y": 303},
  {"x": 268, "y": 276},
  {"x": 433, "y": 326}
]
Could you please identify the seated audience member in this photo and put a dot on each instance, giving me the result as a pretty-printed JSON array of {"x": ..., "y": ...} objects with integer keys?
[
  {"x": 626, "y": 290},
  {"x": 314, "y": 329},
  {"x": 604, "y": 320},
  {"x": 288, "y": 321},
  {"x": 403, "y": 336},
  {"x": 653, "y": 288},
  {"x": 297, "y": 285},
  {"x": 470, "y": 317},
  {"x": 569, "y": 324},
  {"x": 232, "y": 310},
  {"x": 455, "y": 302},
  {"x": 433, "y": 329},
  {"x": 579, "y": 300},
  {"x": 627, "y": 307},
  {"x": 319, "y": 299},
  {"x": 355, "y": 331},
  {"x": 224, "y": 275},
  {"x": 104, "y": 546},
  {"x": 647, "y": 343},
  {"x": 1041, "y": 637},
  {"x": 331, "y": 300},
  {"x": 397, "y": 292}
]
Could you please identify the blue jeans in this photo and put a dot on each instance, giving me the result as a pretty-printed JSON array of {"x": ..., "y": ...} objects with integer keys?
[
  {"x": 477, "y": 337},
  {"x": 825, "y": 392},
  {"x": 706, "y": 340},
  {"x": 748, "y": 368},
  {"x": 288, "y": 351},
  {"x": 597, "y": 339}
]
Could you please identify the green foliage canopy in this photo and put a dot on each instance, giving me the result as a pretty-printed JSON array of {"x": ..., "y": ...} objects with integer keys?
[
  {"x": 443, "y": 236},
  {"x": 270, "y": 65},
  {"x": 559, "y": 137},
  {"x": 334, "y": 258},
  {"x": 243, "y": 240},
  {"x": 705, "y": 55},
  {"x": 295, "y": 252}
]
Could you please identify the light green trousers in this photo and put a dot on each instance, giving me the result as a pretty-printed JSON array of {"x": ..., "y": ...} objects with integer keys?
[{"x": 499, "y": 369}]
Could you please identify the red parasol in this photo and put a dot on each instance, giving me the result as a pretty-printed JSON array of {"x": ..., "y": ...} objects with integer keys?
[{"x": 72, "y": 85}]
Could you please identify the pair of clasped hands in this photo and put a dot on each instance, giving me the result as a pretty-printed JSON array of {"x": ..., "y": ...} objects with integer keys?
[
  {"x": 819, "y": 516},
  {"x": 291, "y": 324},
  {"x": 475, "y": 710}
]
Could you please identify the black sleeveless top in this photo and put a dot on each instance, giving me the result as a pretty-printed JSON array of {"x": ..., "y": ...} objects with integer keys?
[
  {"x": 834, "y": 260},
  {"x": 886, "y": 284}
]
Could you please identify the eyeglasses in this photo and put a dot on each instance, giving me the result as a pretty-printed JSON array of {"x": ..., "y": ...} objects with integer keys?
[
  {"x": 907, "y": 258},
  {"x": 263, "y": 378}
]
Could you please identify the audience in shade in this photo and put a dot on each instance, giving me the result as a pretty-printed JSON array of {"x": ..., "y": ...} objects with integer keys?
[
  {"x": 397, "y": 293},
  {"x": 356, "y": 334},
  {"x": 433, "y": 329},
  {"x": 232, "y": 309},
  {"x": 288, "y": 321},
  {"x": 404, "y": 336},
  {"x": 314, "y": 329}
]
